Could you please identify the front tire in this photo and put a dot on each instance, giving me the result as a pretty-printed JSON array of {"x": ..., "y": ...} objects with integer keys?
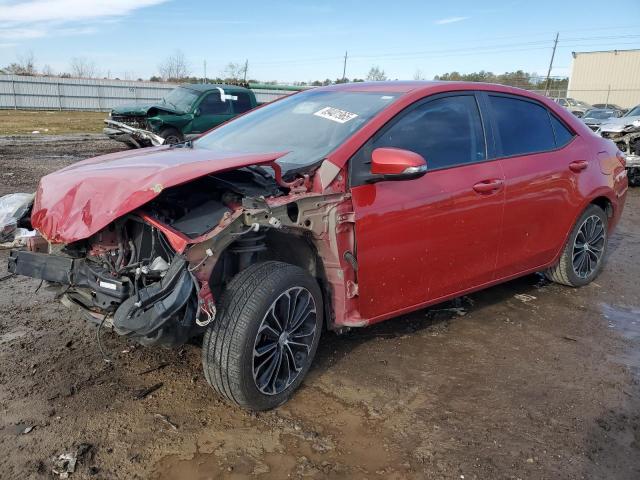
[
  {"x": 583, "y": 255},
  {"x": 261, "y": 345},
  {"x": 171, "y": 136}
]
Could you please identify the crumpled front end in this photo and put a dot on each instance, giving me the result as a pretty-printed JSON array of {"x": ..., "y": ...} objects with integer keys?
[
  {"x": 626, "y": 136},
  {"x": 131, "y": 133}
]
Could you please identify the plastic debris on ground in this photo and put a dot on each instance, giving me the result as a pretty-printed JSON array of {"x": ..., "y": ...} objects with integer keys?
[{"x": 13, "y": 208}]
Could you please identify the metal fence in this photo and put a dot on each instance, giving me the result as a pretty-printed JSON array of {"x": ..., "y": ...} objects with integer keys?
[{"x": 52, "y": 93}]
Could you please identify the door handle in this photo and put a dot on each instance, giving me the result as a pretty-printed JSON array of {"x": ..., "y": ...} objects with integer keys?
[
  {"x": 488, "y": 186},
  {"x": 578, "y": 165}
]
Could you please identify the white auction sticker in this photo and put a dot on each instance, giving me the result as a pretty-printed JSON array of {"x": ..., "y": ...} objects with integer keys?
[
  {"x": 335, "y": 114},
  {"x": 109, "y": 285}
]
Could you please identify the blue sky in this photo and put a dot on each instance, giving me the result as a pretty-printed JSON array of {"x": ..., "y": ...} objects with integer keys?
[{"x": 304, "y": 40}]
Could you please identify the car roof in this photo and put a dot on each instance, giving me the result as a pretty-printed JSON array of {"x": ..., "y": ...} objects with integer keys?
[
  {"x": 205, "y": 87},
  {"x": 426, "y": 87}
]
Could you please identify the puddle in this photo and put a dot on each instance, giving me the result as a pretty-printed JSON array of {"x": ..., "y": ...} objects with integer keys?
[{"x": 626, "y": 320}]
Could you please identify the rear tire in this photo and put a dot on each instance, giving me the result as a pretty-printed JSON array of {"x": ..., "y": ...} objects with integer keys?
[
  {"x": 171, "y": 136},
  {"x": 246, "y": 357},
  {"x": 583, "y": 255}
]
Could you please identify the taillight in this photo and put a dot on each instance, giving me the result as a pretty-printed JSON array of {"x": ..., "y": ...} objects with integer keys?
[{"x": 622, "y": 158}]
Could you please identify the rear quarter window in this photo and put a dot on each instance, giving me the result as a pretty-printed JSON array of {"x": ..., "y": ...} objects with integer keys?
[
  {"x": 562, "y": 133},
  {"x": 523, "y": 127}
]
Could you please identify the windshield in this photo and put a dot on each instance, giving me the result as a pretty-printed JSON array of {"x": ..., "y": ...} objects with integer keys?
[
  {"x": 308, "y": 125},
  {"x": 634, "y": 112},
  {"x": 600, "y": 114},
  {"x": 181, "y": 99}
]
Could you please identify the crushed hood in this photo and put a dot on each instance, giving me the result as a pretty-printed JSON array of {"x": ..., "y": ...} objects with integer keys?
[
  {"x": 618, "y": 124},
  {"x": 142, "y": 109},
  {"x": 81, "y": 199}
]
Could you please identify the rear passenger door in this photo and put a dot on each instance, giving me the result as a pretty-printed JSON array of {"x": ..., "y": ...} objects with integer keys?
[{"x": 536, "y": 150}]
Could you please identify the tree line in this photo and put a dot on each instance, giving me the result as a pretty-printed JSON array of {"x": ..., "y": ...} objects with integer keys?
[{"x": 176, "y": 68}]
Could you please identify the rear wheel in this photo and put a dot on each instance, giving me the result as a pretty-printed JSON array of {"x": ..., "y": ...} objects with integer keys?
[
  {"x": 171, "y": 136},
  {"x": 583, "y": 255},
  {"x": 261, "y": 345}
]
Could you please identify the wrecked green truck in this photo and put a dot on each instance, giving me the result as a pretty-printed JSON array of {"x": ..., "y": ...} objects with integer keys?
[{"x": 184, "y": 113}]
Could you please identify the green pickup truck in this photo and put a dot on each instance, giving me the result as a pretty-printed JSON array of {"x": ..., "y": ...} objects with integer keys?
[{"x": 186, "y": 112}]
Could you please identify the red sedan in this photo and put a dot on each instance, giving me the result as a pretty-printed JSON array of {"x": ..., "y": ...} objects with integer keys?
[{"x": 333, "y": 208}]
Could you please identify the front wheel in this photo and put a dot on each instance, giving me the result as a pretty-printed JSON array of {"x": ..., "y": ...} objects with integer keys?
[
  {"x": 171, "y": 136},
  {"x": 261, "y": 345},
  {"x": 583, "y": 254}
]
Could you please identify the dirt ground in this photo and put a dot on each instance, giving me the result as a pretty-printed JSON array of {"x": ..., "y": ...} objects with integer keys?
[
  {"x": 525, "y": 380},
  {"x": 48, "y": 122}
]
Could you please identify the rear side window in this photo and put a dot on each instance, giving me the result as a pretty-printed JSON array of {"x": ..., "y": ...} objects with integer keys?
[
  {"x": 562, "y": 133},
  {"x": 446, "y": 132},
  {"x": 524, "y": 127},
  {"x": 212, "y": 105},
  {"x": 243, "y": 103}
]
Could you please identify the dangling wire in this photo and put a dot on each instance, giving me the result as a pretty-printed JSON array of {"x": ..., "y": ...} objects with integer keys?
[{"x": 105, "y": 357}]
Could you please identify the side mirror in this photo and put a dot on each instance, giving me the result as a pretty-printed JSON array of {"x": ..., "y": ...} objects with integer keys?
[
  {"x": 197, "y": 112},
  {"x": 397, "y": 164}
]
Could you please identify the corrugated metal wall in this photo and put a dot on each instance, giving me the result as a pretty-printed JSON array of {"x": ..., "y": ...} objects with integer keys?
[
  {"x": 51, "y": 93},
  {"x": 606, "y": 77}
]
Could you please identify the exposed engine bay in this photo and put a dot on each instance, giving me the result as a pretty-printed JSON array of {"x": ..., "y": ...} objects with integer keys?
[{"x": 154, "y": 274}]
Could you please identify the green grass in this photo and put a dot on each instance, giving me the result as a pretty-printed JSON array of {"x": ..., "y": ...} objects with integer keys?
[{"x": 20, "y": 122}]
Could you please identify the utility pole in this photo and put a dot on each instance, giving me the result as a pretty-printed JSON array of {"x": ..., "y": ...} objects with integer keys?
[
  {"x": 344, "y": 68},
  {"x": 246, "y": 67},
  {"x": 553, "y": 54},
  {"x": 204, "y": 79}
]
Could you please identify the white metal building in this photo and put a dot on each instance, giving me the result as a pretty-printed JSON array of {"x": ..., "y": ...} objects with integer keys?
[{"x": 611, "y": 76}]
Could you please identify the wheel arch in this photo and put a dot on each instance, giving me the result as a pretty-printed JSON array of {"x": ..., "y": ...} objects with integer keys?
[{"x": 300, "y": 250}]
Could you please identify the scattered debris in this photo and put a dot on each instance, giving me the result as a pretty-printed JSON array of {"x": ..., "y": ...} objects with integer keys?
[
  {"x": 166, "y": 420},
  {"x": 27, "y": 430},
  {"x": 524, "y": 298},
  {"x": 65, "y": 465},
  {"x": 7, "y": 276},
  {"x": 153, "y": 369},
  {"x": 570, "y": 339},
  {"x": 13, "y": 208},
  {"x": 146, "y": 391}
]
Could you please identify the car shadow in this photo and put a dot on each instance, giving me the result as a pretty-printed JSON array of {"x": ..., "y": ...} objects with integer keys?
[{"x": 435, "y": 318}]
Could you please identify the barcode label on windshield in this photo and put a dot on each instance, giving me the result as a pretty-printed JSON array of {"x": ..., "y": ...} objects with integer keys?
[{"x": 335, "y": 114}]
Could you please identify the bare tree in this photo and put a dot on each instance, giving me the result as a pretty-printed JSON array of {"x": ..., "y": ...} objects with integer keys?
[
  {"x": 417, "y": 75},
  {"x": 175, "y": 66},
  {"x": 376, "y": 74},
  {"x": 236, "y": 71},
  {"x": 83, "y": 67},
  {"x": 47, "y": 71},
  {"x": 25, "y": 64}
]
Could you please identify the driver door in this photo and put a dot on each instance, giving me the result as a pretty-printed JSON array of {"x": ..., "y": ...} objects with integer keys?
[
  {"x": 211, "y": 112},
  {"x": 425, "y": 239}
]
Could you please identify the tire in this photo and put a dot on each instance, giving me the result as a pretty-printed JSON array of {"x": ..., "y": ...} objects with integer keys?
[
  {"x": 245, "y": 325},
  {"x": 171, "y": 136},
  {"x": 568, "y": 272}
]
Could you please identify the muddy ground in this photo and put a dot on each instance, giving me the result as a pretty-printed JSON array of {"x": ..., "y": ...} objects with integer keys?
[{"x": 524, "y": 380}]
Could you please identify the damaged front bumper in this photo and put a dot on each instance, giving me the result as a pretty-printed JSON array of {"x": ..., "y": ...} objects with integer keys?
[
  {"x": 134, "y": 136},
  {"x": 147, "y": 315},
  {"x": 627, "y": 139}
]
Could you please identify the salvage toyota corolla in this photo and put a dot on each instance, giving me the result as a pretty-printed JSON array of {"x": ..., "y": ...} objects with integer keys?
[{"x": 331, "y": 209}]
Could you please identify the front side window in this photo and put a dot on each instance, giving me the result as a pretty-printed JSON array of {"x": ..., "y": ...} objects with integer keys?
[
  {"x": 446, "y": 132},
  {"x": 212, "y": 105},
  {"x": 524, "y": 127}
]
